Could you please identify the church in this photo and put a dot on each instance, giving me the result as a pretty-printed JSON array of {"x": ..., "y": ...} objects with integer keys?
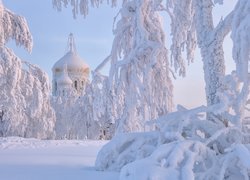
[{"x": 70, "y": 73}]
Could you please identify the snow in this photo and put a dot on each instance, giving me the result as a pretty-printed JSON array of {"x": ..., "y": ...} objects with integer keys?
[
  {"x": 187, "y": 146},
  {"x": 177, "y": 160},
  {"x": 32, "y": 159},
  {"x": 24, "y": 97},
  {"x": 72, "y": 60},
  {"x": 241, "y": 38},
  {"x": 64, "y": 78},
  {"x": 126, "y": 148},
  {"x": 14, "y": 27},
  {"x": 139, "y": 69},
  {"x": 207, "y": 142},
  {"x": 81, "y": 6}
]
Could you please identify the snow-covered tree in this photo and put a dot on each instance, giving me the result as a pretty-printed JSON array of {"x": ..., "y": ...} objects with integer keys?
[
  {"x": 187, "y": 146},
  {"x": 14, "y": 27},
  {"x": 24, "y": 97},
  {"x": 87, "y": 116},
  {"x": 241, "y": 54},
  {"x": 74, "y": 118},
  {"x": 103, "y": 111},
  {"x": 139, "y": 80},
  {"x": 192, "y": 24},
  {"x": 139, "y": 74}
]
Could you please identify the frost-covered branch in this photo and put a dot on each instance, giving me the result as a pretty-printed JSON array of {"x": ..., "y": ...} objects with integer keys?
[
  {"x": 183, "y": 33},
  {"x": 187, "y": 147},
  {"x": 81, "y": 6},
  {"x": 24, "y": 95},
  {"x": 14, "y": 27},
  {"x": 24, "y": 98},
  {"x": 241, "y": 38},
  {"x": 139, "y": 74},
  {"x": 192, "y": 25}
]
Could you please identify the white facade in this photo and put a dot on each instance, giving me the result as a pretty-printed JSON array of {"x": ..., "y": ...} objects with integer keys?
[{"x": 70, "y": 73}]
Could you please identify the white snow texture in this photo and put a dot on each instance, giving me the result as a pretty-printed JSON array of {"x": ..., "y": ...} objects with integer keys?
[{"x": 24, "y": 97}]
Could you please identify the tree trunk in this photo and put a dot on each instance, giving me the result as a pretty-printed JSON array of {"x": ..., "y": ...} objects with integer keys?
[{"x": 214, "y": 71}]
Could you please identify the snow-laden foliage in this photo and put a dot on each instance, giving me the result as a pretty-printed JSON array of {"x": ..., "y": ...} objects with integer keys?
[
  {"x": 14, "y": 27},
  {"x": 24, "y": 97},
  {"x": 177, "y": 160},
  {"x": 191, "y": 25},
  {"x": 241, "y": 54},
  {"x": 193, "y": 149},
  {"x": 126, "y": 148},
  {"x": 102, "y": 108},
  {"x": 190, "y": 160},
  {"x": 85, "y": 117},
  {"x": 187, "y": 147},
  {"x": 139, "y": 74},
  {"x": 241, "y": 37},
  {"x": 73, "y": 119},
  {"x": 140, "y": 86},
  {"x": 81, "y": 6}
]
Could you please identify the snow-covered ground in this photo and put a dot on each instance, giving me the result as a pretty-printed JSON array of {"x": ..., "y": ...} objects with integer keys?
[{"x": 32, "y": 159}]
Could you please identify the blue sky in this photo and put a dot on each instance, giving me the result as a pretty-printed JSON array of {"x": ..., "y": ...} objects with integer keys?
[
  {"x": 93, "y": 36},
  {"x": 50, "y": 30}
]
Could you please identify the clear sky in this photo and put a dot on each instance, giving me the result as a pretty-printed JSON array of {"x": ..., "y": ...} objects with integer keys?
[{"x": 93, "y": 36}]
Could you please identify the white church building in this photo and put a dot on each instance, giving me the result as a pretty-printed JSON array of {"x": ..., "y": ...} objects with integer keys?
[{"x": 70, "y": 73}]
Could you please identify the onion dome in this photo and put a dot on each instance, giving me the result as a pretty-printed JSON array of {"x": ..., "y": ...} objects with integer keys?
[
  {"x": 71, "y": 59},
  {"x": 64, "y": 78}
]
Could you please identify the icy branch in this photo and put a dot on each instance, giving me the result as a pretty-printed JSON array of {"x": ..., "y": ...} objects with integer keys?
[
  {"x": 241, "y": 38},
  {"x": 15, "y": 27},
  {"x": 81, "y": 6}
]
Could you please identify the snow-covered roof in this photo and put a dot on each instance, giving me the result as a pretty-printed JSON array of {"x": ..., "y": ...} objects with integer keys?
[{"x": 71, "y": 59}]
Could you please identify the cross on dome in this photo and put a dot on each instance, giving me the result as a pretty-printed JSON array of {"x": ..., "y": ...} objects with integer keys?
[{"x": 71, "y": 43}]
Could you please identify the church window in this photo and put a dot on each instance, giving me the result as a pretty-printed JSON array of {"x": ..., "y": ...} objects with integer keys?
[
  {"x": 55, "y": 86},
  {"x": 76, "y": 84}
]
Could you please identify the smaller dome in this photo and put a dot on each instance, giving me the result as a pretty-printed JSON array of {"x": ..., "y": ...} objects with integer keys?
[{"x": 64, "y": 78}]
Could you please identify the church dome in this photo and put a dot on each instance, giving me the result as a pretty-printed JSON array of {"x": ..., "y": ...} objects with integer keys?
[
  {"x": 64, "y": 78},
  {"x": 71, "y": 59},
  {"x": 70, "y": 72},
  {"x": 73, "y": 62}
]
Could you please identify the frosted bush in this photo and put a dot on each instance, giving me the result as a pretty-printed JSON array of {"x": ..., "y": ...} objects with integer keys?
[{"x": 126, "y": 148}]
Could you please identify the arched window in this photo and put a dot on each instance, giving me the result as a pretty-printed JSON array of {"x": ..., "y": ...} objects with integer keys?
[
  {"x": 76, "y": 84},
  {"x": 55, "y": 86}
]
